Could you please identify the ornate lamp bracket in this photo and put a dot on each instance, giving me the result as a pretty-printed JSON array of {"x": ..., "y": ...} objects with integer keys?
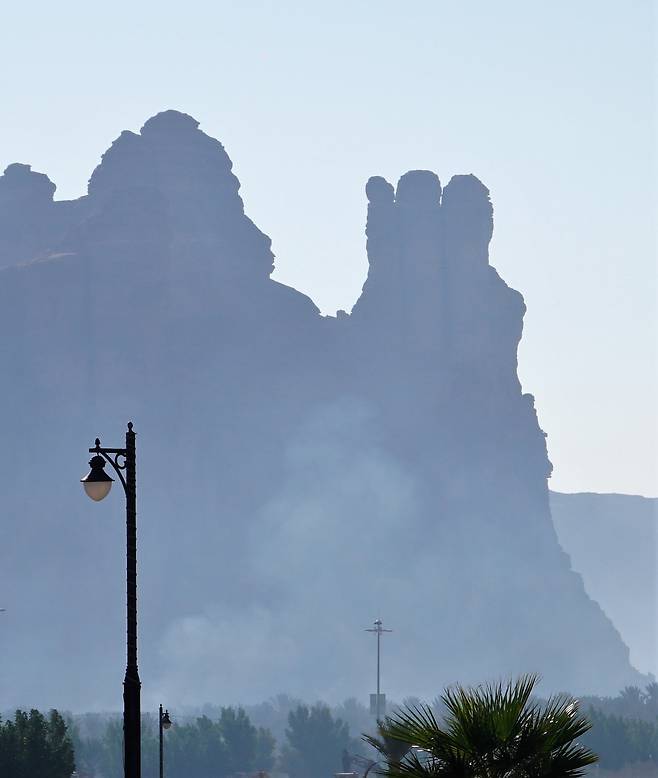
[{"x": 116, "y": 457}]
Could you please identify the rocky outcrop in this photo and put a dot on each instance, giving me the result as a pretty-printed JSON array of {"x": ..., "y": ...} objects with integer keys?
[
  {"x": 290, "y": 465},
  {"x": 30, "y": 221}
]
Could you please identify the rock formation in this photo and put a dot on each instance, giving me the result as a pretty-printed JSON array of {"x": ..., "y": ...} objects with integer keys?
[{"x": 298, "y": 474}]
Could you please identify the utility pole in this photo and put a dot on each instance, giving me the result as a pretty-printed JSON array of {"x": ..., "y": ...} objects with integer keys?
[{"x": 379, "y": 631}]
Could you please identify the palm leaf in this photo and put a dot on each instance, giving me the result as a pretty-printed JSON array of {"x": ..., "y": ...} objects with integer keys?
[{"x": 490, "y": 731}]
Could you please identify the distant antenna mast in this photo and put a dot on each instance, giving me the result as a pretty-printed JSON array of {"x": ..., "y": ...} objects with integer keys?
[{"x": 379, "y": 631}]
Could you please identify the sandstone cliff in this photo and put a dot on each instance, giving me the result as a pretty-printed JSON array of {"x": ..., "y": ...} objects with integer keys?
[{"x": 298, "y": 475}]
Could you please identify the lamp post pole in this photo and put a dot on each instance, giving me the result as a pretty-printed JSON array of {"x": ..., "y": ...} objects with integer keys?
[
  {"x": 97, "y": 485},
  {"x": 131, "y": 683},
  {"x": 160, "y": 714},
  {"x": 164, "y": 722}
]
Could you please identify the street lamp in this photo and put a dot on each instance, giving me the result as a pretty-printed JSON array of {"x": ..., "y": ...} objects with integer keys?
[
  {"x": 97, "y": 484},
  {"x": 164, "y": 723}
]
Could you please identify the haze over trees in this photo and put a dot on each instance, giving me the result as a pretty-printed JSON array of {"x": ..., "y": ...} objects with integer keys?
[
  {"x": 297, "y": 474},
  {"x": 200, "y": 747},
  {"x": 221, "y": 742},
  {"x": 315, "y": 742}
]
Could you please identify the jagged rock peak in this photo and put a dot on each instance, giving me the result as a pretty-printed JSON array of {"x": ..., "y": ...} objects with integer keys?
[
  {"x": 169, "y": 123},
  {"x": 423, "y": 187},
  {"x": 419, "y": 188},
  {"x": 170, "y": 154},
  {"x": 20, "y": 184},
  {"x": 379, "y": 191},
  {"x": 464, "y": 204},
  {"x": 466, "y": 200},
  {"x": 423, "y": 240}
]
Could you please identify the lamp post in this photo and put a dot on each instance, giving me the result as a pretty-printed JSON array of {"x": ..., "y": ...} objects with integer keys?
[
  {"x": 97, "y": 484},
  {"x": 164, "y": 723}
]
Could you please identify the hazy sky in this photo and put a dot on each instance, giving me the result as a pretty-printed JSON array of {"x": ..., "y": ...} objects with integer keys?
[{"x": 552, "y": 105}]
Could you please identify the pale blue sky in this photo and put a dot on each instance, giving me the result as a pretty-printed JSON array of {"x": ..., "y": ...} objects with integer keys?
[{"x": 552, "y": 105}]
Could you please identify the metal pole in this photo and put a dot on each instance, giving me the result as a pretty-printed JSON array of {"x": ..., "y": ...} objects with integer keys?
[
  {"x": 131, "y": 684},
  {"x": 379, "y": 634},
  {"x": 161, "y": 754},
  {"x": 379, "y": 629}
]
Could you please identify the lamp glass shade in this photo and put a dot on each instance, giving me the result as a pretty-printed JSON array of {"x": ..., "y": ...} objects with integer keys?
[
  {"x": 97, "y": 490},
  {"x": 166, "y": 721},
  {"x": 97, "y": 482}
]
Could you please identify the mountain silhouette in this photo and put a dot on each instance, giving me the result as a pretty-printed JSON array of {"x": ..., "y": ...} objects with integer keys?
[{"x": 298, "y": 475}]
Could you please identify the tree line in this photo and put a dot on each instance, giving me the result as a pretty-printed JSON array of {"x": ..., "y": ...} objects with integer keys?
[
  {"x": 311, "y": 742},
  {"x": 226, "y": 746},
  {"x": 36, "y": 746}
]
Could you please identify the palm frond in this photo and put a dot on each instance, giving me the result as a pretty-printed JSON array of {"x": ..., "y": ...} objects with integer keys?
[{"x": 490, "y": 730}]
